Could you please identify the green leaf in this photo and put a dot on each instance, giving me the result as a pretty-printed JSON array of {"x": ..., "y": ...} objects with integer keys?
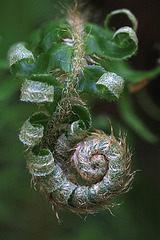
[
  {"x": 39, "y": 118},
  {"x": 34, "y": 42},
  {"x": 47, "y": 78},
  {"x": 19, "y": 52},
  {"x": 123, "y": 45},
  {"x": 88, "y": 78},
  {"x": 23, "y": 69},
  {"x": 82, "y": 113},
  {"x": 93, "y": 29},
  {"x": 96, "y": 81},
  {"x": 32, "y": 130},
  {"x": 52, "y": 81},
  {"x": 111, "y": 85},
  {"x": 59, "y": 24},
  {"x": 58, "y": 56},
  {"x": 127, "y": 12},
  {"x": 111, "y": 45},
  {"x": 40, "y": 164},
  {"x": 123, "y": 38},
  {"x": 78, "y": 128},
  {"x": 93, "y": 45},
  {"x": 129, "y": 116},
  {"x": 31, "y": 135},
  {"x": 37, "y": 92},
  {"x": 53, "y": 33}
]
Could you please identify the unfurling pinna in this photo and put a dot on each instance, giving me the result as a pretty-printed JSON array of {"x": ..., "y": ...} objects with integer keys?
[{"x": 77, "y": 166}]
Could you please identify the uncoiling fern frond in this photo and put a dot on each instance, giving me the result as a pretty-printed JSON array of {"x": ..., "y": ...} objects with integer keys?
[{"x": 78, "y": 167}]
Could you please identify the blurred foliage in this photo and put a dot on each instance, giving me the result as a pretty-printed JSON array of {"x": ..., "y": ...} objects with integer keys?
[{"x": 24, "y": 213}]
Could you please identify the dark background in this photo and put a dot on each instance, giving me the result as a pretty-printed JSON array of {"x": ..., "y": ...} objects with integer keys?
[{"x": 24, "y": 213}]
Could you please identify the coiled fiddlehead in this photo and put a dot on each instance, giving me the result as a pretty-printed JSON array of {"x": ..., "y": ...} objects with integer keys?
[
  {"x": 102, "y": 164},
  {"x": 77, "y": 167}
]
